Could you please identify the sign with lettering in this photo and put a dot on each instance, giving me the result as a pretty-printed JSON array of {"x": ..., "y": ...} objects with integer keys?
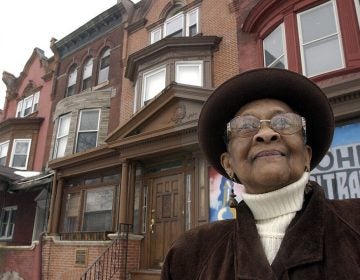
[{"x": 339, "y": 171}]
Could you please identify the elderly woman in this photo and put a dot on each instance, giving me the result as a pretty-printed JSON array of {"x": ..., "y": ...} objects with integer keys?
[{"x": 267, "y": 128}]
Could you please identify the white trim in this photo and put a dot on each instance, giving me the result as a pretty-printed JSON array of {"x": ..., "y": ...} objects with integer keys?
[
  {"x": 57, "y": 138},
  {"x": 9, "y": 209},
  {"x": 7, "y": 152},
  {"x": 136, "y": 97},
  {"x": 284, "y": 53},
  {"x": 338, "y": 34},
  {"x": 198, "y": 63},
  {"x": 152, "y": 34},
  {"x": 27, "y": 153},
  {"x": 357, "y": 8},
  {"x": 196, "y": 11},
  {"x": 79, "y": 124},
  {"x": 173, "y": 18}
]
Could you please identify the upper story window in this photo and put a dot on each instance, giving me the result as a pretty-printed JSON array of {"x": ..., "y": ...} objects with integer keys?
[
  {"x": 104, "y": 66},
  {"x": 71, "y": 84},
  {"x": 153, "y": 83},
  {"x": 88, "y": 128},
  {"x": 62, "y": 136},
  {"x": 357, "y": 7},
  {"x": 7, "y": 222},
  {"x": 179, "y": 25},
  {"x": 274, "y": 48},
  {"x": 189, "y": 72},
  {"x": 20, "y": 153},
  {"x": 28, "y": 105},
  {"x": 87, "y": 74},
  {"x": 320, "y": 43},
  {"x": 3, "y": 152}
]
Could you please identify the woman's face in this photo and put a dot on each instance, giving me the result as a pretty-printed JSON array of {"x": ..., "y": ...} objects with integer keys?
[{"x": 268, "y": 160}]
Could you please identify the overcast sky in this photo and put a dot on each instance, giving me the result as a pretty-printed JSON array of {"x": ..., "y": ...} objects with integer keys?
[{"x": 25, "y": 25}]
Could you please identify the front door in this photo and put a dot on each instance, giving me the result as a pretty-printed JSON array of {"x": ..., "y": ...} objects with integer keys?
[{"x": 166, "y": 217}]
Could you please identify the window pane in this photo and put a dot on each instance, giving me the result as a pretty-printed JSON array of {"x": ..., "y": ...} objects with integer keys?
[
  {"x": 97, "y": 221},
  {"x": 64, "y": 124},
  {"x": 103, "y": 75},
  {"x": 72, "y": 77},
  {"x": 322, "y": 56},
  {"x": 192, "y": 22},
  {"x": 174, "y": 26},
  {"x": 19, "y": 108},
  {"x": 27, "y": 105},
  {"x": 21, "y": 147},
  {"x": 318, "y": 23},
  {"x": 61, "y": 147},
  {"x": 19, "y": 161},
  {"x": 86, "y": 140},
  {"x": 155, "y": 35},
  {"x": 273, "y": 46},
  {"x": 88, "y": 69},
  {"x": 89, "y": 120},
  {"x": 4, "y": 149},
  {"x": 99, "y": 200},
  {"x": 190, "y": 74},
  {"x": 153, "y": 83}
]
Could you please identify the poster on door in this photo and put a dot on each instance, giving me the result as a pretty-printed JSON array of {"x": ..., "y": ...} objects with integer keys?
[
  {"x": 220, "y": 190},
  {"x": 339, "y": 171}
]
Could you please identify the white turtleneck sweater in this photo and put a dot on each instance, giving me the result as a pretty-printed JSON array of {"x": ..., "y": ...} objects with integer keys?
[{"x": 274, "y": 211}]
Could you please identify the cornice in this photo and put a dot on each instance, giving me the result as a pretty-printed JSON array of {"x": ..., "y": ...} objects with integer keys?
[
  {"x": 91, "y": 30},
  {"x": 166, "y": 45},
  {"x": 30, "y": 123}
]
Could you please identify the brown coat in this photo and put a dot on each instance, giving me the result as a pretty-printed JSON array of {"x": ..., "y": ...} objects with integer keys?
[{"x": 322, "y": 242}]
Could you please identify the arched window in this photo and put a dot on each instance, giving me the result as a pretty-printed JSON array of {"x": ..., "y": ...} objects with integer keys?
[
  {"x": 104, "y": 66},
  {"x": 87, "y": 74},
  {"x": 71, "y": 84}
]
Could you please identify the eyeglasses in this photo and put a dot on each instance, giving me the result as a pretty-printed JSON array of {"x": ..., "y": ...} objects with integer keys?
[{"x": 247, "y": 126}]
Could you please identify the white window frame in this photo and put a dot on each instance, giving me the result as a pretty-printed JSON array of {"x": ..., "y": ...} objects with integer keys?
[
  {"x": 357, "y": 8},
  {"x": 198, "y": 63},
  {"x": 2, "y": 145},
  {"x": 338, "y": 34},
  {"x": 70, "y": 83},
  {"x": 196, "y": 11},
  {"x": 136, "y": 97},
  {"x": 148, "y": 74},
  {"x": 173, "y": 18},
  {"x": 87, "y": 72},
  {"x": 27, "y": 153},
  {"x": 34, "y": 101},
  {"x": 10, "y": 209},
  {"x": 60, "y": 137},
  {"x": 284, "y": 55},
  {"x": 153, "y": 35},
  {"x": 103, "y": 69},
  {"x": 81, "y": 131}
]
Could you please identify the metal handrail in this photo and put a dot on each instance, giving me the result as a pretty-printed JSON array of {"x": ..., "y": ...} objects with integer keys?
[{"x": 113, "y": 261}]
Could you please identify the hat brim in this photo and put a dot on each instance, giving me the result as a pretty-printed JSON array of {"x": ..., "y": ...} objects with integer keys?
[{"x": 297, "y": 91}]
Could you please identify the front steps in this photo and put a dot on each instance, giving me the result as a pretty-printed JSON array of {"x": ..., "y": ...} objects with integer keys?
[{"x": 145, "y": 274}]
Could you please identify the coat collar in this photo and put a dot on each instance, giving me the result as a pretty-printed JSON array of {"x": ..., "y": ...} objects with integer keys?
[{"x": 302, "y": 243}]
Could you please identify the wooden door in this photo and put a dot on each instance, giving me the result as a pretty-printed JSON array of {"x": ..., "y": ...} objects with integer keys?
[{"x": 166, "y": 217}]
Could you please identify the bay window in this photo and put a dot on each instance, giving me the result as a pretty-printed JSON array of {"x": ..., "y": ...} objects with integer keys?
[
  {"x": 62, "y": 136},
  {"x": 181, "y": 24},
  {"x": 104, "y": 66},
  {"x": 7, "y": 222},
  {"x": 274, "y": 49},
  {"x": 28, "y": 105},
  {"x": 3, "y": 152},
  {"x": 20, "y": 153},
  {"x": 189, "y": 72},
  {"x": 320, "y": 42},
  {"x": 153, "y": 83},
  {"x": 88, "y": 128}
]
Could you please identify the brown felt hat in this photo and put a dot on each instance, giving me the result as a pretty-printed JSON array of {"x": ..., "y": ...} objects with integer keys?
[{"x": 297, "y": 91}]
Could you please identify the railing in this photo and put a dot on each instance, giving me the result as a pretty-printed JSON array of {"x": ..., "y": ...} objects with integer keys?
[
  {"x": 113, "y": 261},
  {"x": 85, "y": 235}
]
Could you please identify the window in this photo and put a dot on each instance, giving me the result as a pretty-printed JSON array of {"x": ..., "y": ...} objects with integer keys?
[
  {"x": 87, "y": 73},
  {"x": 28, "y": 105},
  {"x": 320, "y": 40},
  {"x": 274, "y": 49},
  {"x": 71, "y": 85},
  {"x": 155, "y": 35},
  {"x": 153, "y": 83},
  {"x": 98, "y": 209},
  {"x": 62, "y": 136},
  {"x": 87, "y": 129},
  {"x": 72, "y": 212},
  {"x": 357, "y": 7},
  {"x": 181, "y": 24},
  {"x": 8, "y": 215},
  {"x": 20, "y": 153},
  {"x": 3, "y": 152},
  {"x": 189, "y": 72},
  {"x": 104, "y": 67}
]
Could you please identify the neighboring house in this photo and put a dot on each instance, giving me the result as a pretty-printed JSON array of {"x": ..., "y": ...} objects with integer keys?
[{"x": 24, "y": 148}]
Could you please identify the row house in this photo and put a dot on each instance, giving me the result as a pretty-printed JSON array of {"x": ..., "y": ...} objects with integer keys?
[{"x": 25, "y": 180}]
